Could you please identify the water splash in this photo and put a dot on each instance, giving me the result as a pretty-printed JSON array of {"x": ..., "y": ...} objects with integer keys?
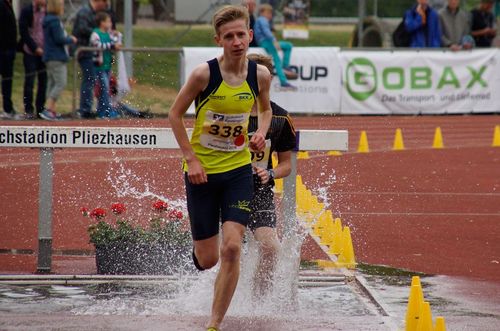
[{"x": 128, "y": 184}]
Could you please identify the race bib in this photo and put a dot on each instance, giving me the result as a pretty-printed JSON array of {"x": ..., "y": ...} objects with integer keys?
[
  {"x": 261, "y": 159},
  {"x": 224, "y": 132}
]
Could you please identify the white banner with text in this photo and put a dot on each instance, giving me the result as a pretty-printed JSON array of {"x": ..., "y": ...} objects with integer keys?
[
  {"x": 420, "y": 82},
  {"x": 318, "y": 82}
]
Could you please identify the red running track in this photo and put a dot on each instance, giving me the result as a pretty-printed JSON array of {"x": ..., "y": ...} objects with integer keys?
[{"x": 435, "y": 211}]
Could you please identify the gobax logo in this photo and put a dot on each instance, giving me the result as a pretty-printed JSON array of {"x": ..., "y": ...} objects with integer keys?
[{"x": 361, "y": 78}]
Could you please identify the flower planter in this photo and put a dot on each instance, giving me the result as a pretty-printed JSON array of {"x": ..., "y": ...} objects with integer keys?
[{"x": 121, "y": 258}]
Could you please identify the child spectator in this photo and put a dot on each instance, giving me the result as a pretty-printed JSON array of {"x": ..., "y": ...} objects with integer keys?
[
  {"x": 422, "y": 22},
  {"x": 483, "y": 24},
  {"x": 265, "y": 39},
  {"x": 55, "y": 56},
  {"x": 455, "y": 26},
  {"x": 103, "y": 59}
]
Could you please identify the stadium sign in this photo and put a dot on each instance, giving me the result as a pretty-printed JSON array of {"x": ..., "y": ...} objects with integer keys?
[{"x": 85, "y": 137}]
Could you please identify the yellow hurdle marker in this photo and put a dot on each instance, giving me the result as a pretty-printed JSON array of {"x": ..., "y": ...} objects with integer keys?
[
  {"x": 334, "y": 153},
  {"x": 398, "y": 141},
  {"x": 328, "y": 235},
  {"x": 302, "y": 155},
  {"x": 496, "y": 137},
  {"x": 336, "y": 242},
  {"x": 440, "y": 324},
  {"x": 438, "y": 139},
  {"x": 415, "y": 301},
  {"x": 363, "y": 143},
  {"x": 425, "y": 321},
  {"x": 346, "y": 257}
]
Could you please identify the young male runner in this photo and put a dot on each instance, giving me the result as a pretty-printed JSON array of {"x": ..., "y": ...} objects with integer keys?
[
  {"x": 217, "y": 165},
  {"x": 279, "y": 138}
]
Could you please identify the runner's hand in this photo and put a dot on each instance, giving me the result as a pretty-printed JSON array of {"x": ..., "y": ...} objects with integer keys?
[
  {"x": 262, "y": 173},
  {"x": 257, "y": 142},
  {"x": 196, "y": 173}
]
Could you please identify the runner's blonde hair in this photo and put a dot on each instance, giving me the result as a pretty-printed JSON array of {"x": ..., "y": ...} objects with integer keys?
[{"x": 228, "y": 14}]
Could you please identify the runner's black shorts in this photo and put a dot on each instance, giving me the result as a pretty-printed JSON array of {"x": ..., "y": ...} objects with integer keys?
[
  {"x": 263, "y": 208},
  {"x": 225, "y": 197}
]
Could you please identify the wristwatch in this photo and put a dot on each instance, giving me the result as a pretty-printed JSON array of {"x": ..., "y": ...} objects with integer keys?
[{"x": 270, "y": 173}]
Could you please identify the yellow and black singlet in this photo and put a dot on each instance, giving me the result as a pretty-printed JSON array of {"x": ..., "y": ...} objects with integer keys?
[{"x": 219, "y": 138}]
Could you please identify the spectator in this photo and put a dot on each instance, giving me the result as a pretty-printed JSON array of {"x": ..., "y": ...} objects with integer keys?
[
  {"x": 8, "y": 44},
  {"x": 483, "y": 24},
  {"x": 83, "y": 26},
  {"x": 422, "y": 23},
  {"x": 455, "y": 26},
  {"x": 265, "y": 39},
  {"x": 31, "y": 30},
  {"x": 55, "y": 56},
  {"x": 103, "y": 59},
  {"x": 250, "y": 5},
  {"x": 274, "y": 4}
]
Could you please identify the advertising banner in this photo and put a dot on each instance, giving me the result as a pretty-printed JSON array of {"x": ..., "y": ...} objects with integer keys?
[
  {"x": 296, "y": 19},
  {"x": 318, "y": 82},
  {"x": 420, "y": 82}
]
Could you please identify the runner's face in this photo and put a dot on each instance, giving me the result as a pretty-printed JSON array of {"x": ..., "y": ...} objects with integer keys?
[{"x": 234, "y": 37}]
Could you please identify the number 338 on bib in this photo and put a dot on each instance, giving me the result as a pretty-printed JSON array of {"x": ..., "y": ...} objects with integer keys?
[{"x": 225, "y": 132}]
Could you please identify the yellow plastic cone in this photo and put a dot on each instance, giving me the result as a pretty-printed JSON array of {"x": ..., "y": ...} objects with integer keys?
[
  {"x": 328, "y": 235},
  {"x": 440, "y": 324},
  {"x": 302, "y": 155},
  {"x": 278, "y": 185},
  {"x": 398, "y": 141},
  {"x": 299, "y": 182},
  {"x": 346, "y": 257},
  {"x": 496, "y": 137},
  {"x": 425, "y": 321},
  {"x": 363, "y": 143},
  {"x": 438, "y": 139},
  {"x": 415, "y": 301},
  {"x": 336, "y": 241},
  {"x": 274, "y": 159},
  {"x": 334, "y": 153}
]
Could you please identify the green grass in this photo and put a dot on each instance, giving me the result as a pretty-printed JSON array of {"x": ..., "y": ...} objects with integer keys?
[{"x": 157, "y": 74}]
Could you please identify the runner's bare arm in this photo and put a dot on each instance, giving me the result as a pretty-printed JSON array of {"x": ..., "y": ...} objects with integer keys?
[
  {"x": 197, "y": 82},
  {"x": 264, "y": 106}
]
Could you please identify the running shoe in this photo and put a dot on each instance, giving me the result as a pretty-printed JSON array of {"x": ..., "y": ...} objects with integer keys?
[{"x": 49, "y": 115}]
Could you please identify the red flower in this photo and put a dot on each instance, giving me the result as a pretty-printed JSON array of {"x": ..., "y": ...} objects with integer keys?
[
  {"x": 175, "y": 214},
  {"x": 84, "y": 211},
  {"x": 160, "y": 205},
  {"x": 118, "y": 208},
  {"x": 98, "y": 213},
  {"x": 179, "y": 214}
]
